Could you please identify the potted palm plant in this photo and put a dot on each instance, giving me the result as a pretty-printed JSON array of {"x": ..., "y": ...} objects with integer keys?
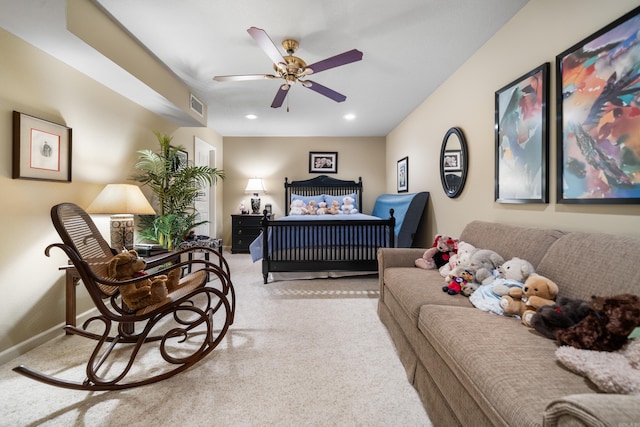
[{"x": 175, "y": 186}]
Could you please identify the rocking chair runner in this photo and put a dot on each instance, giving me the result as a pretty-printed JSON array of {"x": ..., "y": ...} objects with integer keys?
[{"x": 183, "y": 330}]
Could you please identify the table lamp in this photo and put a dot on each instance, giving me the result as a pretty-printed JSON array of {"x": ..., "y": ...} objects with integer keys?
[
  {"x": 122, "y": 201},
  {"x": 255, "y": 186}
]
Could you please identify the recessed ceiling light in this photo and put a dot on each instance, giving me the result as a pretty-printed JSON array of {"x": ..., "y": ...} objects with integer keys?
[
  {"x": 251, "y": 116},
  {"x": 350, "y": 116}
]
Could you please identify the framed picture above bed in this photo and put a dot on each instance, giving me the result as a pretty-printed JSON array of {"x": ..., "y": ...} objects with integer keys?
[
  {"x": 323, "y": 162},
  {"x": 403, "y": 175}
]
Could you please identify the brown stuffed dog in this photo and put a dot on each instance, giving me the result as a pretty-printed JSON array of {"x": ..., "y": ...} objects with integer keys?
[
  {"x": 144, "y": 292},
  {"x": 607, "y": 326},
  {"x": 536, "y": 292}
]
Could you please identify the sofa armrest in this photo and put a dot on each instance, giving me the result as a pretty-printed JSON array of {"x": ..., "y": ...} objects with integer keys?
[
  {"x": 396, "y": 257},
  {"x": 597, "y": 409}
]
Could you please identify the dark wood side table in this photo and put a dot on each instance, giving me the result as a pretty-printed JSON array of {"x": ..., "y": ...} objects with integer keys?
[
  {"x": 72, "y": 279},
  {"x": 244, "y": 229}
]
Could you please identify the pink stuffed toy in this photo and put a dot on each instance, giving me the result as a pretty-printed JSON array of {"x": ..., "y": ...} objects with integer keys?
[{"x": 444, "y": 247}]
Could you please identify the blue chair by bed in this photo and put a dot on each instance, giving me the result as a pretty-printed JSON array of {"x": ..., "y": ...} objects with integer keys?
[{"x": 407, "y": 209}]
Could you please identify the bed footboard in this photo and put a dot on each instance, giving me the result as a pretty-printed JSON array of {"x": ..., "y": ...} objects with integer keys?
[{"x": 327, "y": 245}]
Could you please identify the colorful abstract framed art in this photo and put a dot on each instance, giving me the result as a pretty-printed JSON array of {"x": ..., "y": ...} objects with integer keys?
[
  {"x": 522, "y": 139},
  {"x": 41, "y": 149},
  {"x": 598, "y": 111}
]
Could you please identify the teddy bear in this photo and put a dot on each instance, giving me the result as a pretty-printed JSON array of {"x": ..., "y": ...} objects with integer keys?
[
  {"x": 457, "y": 282},
  {"x": 607, "y": 326},
  {"x": 484, "y": 263},
  {"x": 322, "y": 208},
  {"x": 312, "y": 208},
  {"x": 128, "y": 265},
  {"x": 523, "y": 302},
  {"x": 565, "y": 313},
  {"x": 513, "y": 273},
  {"x": 297, "y": 207},
  {"x": 439, "y": 254},
  {"x": 334, "y": 208},
  {"x": 348, "y": 206},
  {"x": 463, "y": 254}
]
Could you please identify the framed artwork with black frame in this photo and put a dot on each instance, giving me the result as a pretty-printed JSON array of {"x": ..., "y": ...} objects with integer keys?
[
  {"x": 598, "y": 100},
  {"x": 41, "y": 149},
  {"x": 522, "y": 139},
  {"x": 403, "y": 175},
  {"x": 323, "y": 162}
]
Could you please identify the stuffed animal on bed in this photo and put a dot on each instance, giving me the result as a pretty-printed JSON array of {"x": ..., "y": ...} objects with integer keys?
[
  {"x": 312, "y": 208},
  {"x": 334, "y": 209},
  {"x": 297, "y": 207},
  {"x": 347, "y": 205},
  {"x": 322, "y": 208},
  {"x": 439, "y": 254}
]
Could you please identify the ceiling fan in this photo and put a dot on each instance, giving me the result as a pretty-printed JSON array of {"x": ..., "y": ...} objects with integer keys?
[{"x": 293, "y": 69}]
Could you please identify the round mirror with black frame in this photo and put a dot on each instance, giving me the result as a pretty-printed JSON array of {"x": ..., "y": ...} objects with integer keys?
[{"x": 453, "y": 162}]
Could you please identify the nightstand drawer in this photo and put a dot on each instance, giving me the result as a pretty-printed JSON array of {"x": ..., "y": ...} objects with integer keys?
[{"x": 244, "y": 230}]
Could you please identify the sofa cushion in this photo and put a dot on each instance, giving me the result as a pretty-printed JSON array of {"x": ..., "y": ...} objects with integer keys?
[
  {"x": 498, "y": 361},
  {"x": 586, "y": 264},
  {"x": 413, "y": 287},
  {"x": 510, "y": 240}
]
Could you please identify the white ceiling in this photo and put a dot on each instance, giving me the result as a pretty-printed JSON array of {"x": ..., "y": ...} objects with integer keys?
[{"x": 410, "y": 47}]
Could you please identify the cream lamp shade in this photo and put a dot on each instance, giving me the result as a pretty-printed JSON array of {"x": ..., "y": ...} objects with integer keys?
[
  {"x": 122, "y": 201},
  {"x": 255, "y": 186}
]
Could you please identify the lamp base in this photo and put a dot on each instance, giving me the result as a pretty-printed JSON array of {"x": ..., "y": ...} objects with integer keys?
[
  {"x": 255, "y": 204},
  {"x": 122, "y": 232}
]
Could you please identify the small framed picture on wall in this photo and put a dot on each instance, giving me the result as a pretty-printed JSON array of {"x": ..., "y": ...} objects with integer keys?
[
  {"x": 323, "y": 162},
  {"x": 403, "y": 175}
]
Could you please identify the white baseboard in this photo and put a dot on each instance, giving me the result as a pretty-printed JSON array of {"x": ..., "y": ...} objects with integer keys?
[{"x": 35, "y": 341}]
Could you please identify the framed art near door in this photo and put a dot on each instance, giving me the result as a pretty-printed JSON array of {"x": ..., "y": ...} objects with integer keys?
[
  {"x": 522, "y": 139},
  {"x": 41, "y": 149},
  {"x": 598, "y": 111}
]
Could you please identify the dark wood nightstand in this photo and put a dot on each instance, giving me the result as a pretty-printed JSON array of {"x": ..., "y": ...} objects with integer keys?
[{"x": 244, "y": 230}]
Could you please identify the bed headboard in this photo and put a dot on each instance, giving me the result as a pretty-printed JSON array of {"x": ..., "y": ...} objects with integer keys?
[{"x": 322, "y": 184}]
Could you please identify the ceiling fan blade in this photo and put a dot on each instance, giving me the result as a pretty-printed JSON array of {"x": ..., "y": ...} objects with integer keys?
[
  {"x": 335, "y": 61},
  {"x": 265, "y": 42},
  {"x": 244, "y": 77},
  {"x": 323, "y": 90},
  {"x": 280, "y": 96}
]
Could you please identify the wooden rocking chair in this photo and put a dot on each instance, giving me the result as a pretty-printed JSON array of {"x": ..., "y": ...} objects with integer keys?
[{"x": 183, "y": 329}]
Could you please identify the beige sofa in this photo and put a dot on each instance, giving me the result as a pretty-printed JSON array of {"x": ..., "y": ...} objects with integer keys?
[{"x": 474, "y": 368}]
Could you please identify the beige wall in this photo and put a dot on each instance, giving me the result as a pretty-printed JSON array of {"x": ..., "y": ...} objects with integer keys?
[
  {"x": 107, "y": 131},
  {"x": 273, "y": 159},
  {"x": 540, "y": 31}
]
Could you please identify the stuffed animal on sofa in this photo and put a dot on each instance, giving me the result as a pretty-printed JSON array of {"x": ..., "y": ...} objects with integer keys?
[
  {"x": 513, "y": 273},
  {"x": 457, "y": 282},
  {"x": 607, "y": 326},
  {"x": 566, "y": 312},
  {"x": 523, "y": 302},
  {"x": 144, "y": 292},
  {"x": 462, "y": 256},
  {"x": 484, "y": 262},
  {"x": 612, "y": 372},
  {"x": 347, "y": 205},
  {"x": 439, "y": 254}
]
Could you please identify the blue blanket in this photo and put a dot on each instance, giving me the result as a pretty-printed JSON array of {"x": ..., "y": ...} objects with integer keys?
[{"x": 484, "y": 298}]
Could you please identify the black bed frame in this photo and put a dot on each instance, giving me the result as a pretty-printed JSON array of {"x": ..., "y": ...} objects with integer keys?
[{"x": 330, "y": 256}]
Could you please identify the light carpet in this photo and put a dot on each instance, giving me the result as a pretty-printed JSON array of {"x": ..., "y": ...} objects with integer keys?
[{"x": 300, "y": 353}]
